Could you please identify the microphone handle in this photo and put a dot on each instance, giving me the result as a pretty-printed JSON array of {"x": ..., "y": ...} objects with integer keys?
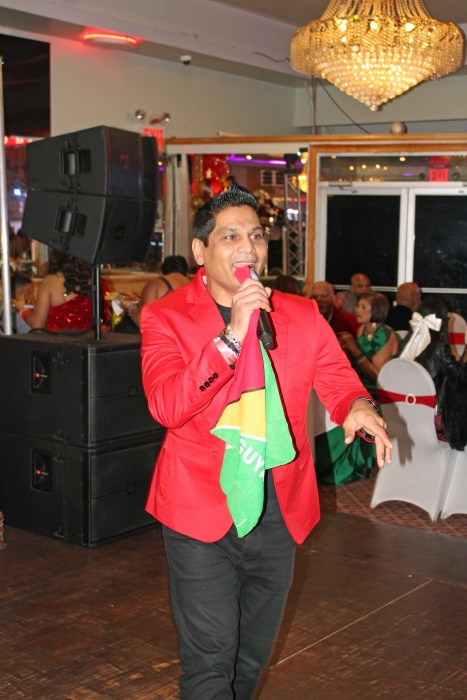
[
  {"x": 264, "y": 327},
  {"x": 264, "y": 331}
]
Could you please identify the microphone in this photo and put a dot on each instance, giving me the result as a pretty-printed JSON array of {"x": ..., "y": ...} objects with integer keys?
[{"x": 264, "y": 327}]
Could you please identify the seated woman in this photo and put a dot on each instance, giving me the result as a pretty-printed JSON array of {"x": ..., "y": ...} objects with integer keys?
[
  {"x": 64, "y": 299},
  {"x": 427, "y": 344},
  {"x": 376, "y": 343},
  {"x": 174, "y": 274}
]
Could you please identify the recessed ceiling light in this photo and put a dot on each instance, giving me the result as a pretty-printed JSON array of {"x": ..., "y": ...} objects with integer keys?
[{"x": 96, "y": 36}]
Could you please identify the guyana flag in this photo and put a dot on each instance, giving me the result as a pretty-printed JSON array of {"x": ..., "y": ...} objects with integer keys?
[{"x": 255, "y": 431}]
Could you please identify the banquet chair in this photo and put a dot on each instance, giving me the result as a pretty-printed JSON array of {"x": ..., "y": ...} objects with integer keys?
[
  {"x": 318, "y": 420},
  {"x": 457, "y": 334},
  {"x": 420, "y": 462},
  {"x": 402, "y": 334},
  {"x": 455, "y": 500}
]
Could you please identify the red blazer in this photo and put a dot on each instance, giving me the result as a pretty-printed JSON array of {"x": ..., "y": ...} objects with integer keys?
[{"x": 186, "y": 381}]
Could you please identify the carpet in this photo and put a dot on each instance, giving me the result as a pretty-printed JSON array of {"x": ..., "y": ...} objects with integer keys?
[{"x": 354, "y": 499}]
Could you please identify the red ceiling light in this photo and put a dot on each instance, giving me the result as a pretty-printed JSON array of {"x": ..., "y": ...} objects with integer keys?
[{"x": 98, "y": 36}]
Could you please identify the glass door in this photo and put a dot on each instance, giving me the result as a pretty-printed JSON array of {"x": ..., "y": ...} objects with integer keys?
[
  {"x": 437, "y": 243},
  {"x": 394, "y": 234},
  {"x": 359, "y": 230},
  {"x": 438, "y": 228}
]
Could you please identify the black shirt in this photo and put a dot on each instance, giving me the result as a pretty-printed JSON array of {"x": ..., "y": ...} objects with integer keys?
[{"x": 399, "y": 317}]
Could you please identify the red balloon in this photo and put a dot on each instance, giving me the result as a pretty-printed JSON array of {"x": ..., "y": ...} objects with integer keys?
[
  {"x": 216, "y": 187},
  {"x": 215, "y": 167},
  {"x": 221, "y": 169}
]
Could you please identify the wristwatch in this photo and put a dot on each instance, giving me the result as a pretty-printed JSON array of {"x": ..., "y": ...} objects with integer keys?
[{"x": 362, "y": 432}]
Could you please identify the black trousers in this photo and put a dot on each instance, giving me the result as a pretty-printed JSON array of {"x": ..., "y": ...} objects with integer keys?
[{"x": 228, "y": 598}]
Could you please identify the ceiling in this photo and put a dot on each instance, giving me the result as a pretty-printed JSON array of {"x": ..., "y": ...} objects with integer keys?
[
  {"x": 299, "y": 13},
  {"x": 250, "y": 38}
]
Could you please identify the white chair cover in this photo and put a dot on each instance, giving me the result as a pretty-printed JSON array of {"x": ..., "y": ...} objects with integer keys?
[
  {"x": 457, "y": 334},
  {"x": 419, "y": 465},
  {"x": 318, "y": 419},
  {"x": 456, "y": 492}
]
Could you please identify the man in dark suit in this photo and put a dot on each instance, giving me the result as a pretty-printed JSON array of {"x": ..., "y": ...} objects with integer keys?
[{"x": 408, "y": 299}]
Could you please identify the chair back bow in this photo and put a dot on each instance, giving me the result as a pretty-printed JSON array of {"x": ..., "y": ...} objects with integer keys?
[{"x": 420, "y": 337}]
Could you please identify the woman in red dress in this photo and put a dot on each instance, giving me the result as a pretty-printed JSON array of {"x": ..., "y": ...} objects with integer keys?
[{"x": 64, "y": 300}]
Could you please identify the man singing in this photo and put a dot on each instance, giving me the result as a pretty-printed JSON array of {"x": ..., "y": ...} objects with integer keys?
[{"x": 229, "y": 574}]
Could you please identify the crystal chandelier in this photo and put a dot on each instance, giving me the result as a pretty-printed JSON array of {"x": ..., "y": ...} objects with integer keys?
[{"x": 374, "y": 50}]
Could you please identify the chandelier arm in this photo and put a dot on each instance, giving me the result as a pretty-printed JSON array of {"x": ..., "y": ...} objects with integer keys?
[
  {"x": 376, "y": 8},
  {"x": 415, "y": 8}
]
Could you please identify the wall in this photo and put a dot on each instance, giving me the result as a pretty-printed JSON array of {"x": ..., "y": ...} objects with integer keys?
[
  {"x": 92, "y": 86},
  {"x": 435, "y": 106}
]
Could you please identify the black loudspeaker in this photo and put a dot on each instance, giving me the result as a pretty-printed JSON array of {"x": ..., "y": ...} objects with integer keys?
[
  {"x": 101, "y": 161},
  {"x": 92, "y": 228},
  {"x": 92, "y": 194},
  {"x": 77, "y": 443},
  {"x": 84, "y": 496},
  {"x": 73, "y": 389}
]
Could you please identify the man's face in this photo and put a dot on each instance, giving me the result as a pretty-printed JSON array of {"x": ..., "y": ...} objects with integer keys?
[
  {"x": 324, "y": 297},
  {"x": 237, "y": 240},
  {"x": 359, "y": 284}
]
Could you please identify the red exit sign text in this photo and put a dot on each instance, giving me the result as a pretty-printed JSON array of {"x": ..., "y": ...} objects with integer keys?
[{"x": 439, "y": 174}]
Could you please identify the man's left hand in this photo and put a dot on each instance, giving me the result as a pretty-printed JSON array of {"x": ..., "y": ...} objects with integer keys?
[{"x": 363, "y": 415}]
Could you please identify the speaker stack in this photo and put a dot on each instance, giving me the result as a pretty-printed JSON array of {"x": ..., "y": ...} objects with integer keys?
[
  {"x": 92, "y": 194},
  {"x": 77, "y": 442}
]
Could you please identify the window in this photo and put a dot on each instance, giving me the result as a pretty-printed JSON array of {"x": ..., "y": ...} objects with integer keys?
[{"x": 270, "y": 178}]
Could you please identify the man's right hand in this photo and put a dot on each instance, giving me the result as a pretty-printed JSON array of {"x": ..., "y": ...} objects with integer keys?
[{"x": 251, "y": 295}]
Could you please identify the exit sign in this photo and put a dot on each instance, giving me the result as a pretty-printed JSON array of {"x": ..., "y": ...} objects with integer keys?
[{"x": 439, "y": 174}]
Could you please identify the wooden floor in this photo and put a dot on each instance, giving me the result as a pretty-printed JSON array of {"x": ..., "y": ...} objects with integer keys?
[{"x": 376, "y": 611}]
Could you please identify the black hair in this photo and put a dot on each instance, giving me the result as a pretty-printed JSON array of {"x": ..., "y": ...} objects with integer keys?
[
  {"x": 438, "y": 307},
  {"x": 77, "y": 273},
  {"x": 174, "y": 263},
  {"x": 204, "y": 220}
]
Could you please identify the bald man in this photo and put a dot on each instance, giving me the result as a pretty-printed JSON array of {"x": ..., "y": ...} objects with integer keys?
[
  {"x": 408, "y": 299},
  {"x": 359, "y": 282},
  {"x": 340, "y": 321}
]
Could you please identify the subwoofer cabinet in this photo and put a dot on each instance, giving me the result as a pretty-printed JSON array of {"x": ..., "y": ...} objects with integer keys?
[
  {"x": 77, "y": 443},
  {"x": 72, "y": 388},
  {"x": 86, "y": 496}
]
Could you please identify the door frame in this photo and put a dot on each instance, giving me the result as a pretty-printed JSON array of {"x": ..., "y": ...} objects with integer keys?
[
  {"x": 408, "y": 192},
  {"x": 371, "y": 145}
]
